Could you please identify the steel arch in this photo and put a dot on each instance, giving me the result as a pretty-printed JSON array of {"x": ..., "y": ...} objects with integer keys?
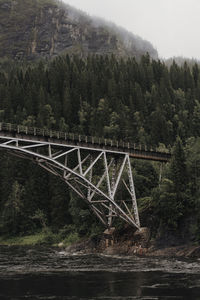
[{"x": 100, "y": 192}]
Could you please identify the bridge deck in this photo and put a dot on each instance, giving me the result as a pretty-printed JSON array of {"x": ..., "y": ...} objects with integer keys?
[{"x": 8, "y": 130}]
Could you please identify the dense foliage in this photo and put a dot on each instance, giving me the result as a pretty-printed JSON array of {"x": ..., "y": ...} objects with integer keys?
[{"x": 103, "y": 96}]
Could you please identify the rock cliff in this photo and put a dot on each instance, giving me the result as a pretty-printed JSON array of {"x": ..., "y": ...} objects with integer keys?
[{"x": 45, "y": 28}]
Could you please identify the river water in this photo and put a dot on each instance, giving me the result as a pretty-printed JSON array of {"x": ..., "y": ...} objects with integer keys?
[{"x": 43, "y": 273}]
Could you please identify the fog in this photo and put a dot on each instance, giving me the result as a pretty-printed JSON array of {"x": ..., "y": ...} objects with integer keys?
[
  {"x": 172, "y": 26},
  {"x": 133, "y": 43}
]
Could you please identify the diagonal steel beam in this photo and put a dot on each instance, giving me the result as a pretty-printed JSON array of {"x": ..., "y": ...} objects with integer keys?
[
  {"x": 64, "y": 153},
  {"x": 92, "y": 164},
  {"x": 33, "y": 146},
  {"x": 9, "y": 142},
  {"x": 57, "y": 168},
  {"x": 107, "y": 175},
  {"x": 119, "y": 177},
  {"x": 101, "y": 179},
  {"x": 76, "y": 168}
]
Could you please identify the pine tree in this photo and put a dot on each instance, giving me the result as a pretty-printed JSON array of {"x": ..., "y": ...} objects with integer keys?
[
  {"x": 178, "y": 169},
  {"x": 12, "y": 213}
]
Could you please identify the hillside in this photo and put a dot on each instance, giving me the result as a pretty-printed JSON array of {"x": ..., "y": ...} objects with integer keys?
[
  {"x": 142, "y": 102},
  {"x": 46, "y": 28}
]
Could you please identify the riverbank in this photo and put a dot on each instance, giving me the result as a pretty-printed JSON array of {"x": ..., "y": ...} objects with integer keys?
[
  {"x": 47, "y": 238},
  {"x": 124, "y": 247},
  {"x": 28, "y": 240}
]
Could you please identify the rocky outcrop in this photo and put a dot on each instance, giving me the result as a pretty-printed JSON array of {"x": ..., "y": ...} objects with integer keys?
[
  {"x": 130, "y": 242},
  {"x": 130, "y": 248},
  {"x": 45, "y": 28}
]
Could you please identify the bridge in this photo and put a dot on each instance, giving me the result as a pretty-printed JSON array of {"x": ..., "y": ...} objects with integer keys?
[{"x": 97, "y": 169}]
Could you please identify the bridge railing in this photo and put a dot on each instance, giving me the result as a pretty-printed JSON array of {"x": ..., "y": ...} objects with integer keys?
[{"x": 21, "y": 129}]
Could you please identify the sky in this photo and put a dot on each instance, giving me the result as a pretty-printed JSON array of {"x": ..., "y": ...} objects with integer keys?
[{"x": 172, "y": 26}]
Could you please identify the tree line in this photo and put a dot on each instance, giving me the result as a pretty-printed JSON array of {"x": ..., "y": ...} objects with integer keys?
[{"x": 145, "y": 102}]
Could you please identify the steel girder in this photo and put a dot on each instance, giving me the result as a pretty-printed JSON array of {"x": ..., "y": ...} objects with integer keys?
[{"x": 102, "y": 178}]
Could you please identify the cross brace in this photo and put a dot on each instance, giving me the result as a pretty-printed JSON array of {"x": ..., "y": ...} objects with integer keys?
[{"x": 102, "y": 178}]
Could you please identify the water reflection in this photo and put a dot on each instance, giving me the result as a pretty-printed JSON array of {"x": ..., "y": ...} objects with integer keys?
[{"x": 39, "y": 273}]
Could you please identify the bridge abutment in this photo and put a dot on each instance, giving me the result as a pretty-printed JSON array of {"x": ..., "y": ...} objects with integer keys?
[{"x": 109, "y": 236}]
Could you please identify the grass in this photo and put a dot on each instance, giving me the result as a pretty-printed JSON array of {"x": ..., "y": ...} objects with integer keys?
[
  {"x": 29, "y": 240},
  {"x": 71, "y": 239},
  {"x": 40, "y": 238}
]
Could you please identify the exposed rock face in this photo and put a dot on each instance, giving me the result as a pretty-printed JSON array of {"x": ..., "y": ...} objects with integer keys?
[{"x": 46, "y": 28}]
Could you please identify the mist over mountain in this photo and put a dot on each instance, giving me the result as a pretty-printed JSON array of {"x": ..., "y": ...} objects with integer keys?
[
  {"x": 46, "y": 28},
  {"x": 180, "y": 61}
]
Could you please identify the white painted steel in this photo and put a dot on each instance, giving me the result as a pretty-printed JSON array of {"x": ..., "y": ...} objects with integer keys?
[{"x": 101, "y": 194}]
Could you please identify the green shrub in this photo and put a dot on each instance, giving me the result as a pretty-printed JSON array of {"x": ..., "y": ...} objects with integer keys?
[
  {"x": 48, "y": 238},
  {"x": 66, "y": 230},
  {"x": 71, "y": 239}
]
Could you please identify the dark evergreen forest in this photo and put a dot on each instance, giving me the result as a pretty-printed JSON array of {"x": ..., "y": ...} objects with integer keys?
[{"x": 145, "y": 102}]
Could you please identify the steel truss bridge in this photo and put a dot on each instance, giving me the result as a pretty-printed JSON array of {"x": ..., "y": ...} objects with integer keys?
[{"x": 98, "y": 170}]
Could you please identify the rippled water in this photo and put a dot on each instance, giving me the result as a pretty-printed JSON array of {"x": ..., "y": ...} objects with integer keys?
[{"x": 39, "y": 273}]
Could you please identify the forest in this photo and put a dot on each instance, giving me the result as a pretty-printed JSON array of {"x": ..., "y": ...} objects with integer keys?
[{"x": 143, "y": 101}]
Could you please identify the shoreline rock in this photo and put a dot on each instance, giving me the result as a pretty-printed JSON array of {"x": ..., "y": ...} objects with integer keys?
[{"x": 127, "y": 248}]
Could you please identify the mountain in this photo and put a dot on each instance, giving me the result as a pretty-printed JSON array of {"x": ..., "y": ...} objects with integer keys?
[{"x": 45, "y": 28}]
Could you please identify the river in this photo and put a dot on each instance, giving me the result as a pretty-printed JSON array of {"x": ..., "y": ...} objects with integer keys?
[{"x": 43, "y": 273}]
